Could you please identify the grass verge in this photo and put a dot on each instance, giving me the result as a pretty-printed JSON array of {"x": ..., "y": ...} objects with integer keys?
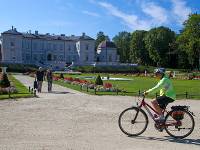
[{"x": 22, "y": 90}]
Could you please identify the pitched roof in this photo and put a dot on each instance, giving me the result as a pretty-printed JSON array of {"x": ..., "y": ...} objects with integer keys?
[
  {"x": 48, "y": 36},
  {"x": 12, "y": 31}
]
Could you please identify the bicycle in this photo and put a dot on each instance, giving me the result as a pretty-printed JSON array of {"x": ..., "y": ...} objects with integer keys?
[{"x": 178, "y": 123}]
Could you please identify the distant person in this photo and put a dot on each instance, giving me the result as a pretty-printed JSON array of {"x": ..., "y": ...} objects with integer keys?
[
  {"x": 49, "y": 77},
  {"x": 40, "y": 79}
]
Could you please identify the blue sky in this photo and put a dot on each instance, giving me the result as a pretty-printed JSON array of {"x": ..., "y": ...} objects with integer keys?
[{"x": 91, "y": 16}]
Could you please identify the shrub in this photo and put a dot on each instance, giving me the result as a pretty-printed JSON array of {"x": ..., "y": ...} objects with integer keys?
[
  {"x": 20, "y": 67},
  {"x": 4, "y": 82},
  {"x": 98, "y": 80},
  {"x": 61, "y": 76}
]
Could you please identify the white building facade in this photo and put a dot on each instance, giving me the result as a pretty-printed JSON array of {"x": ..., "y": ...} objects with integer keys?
[
  {"x": 107, "y": 53},
  {"x": 46, "y": 50}
]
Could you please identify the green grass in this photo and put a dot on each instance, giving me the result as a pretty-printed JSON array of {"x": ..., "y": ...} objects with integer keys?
[
  {"x": 142, "y": 84},
  {"x": 22, "y": 90}
]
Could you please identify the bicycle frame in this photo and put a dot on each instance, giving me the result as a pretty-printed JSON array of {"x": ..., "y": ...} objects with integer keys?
[{"x": 149, "y": 108}]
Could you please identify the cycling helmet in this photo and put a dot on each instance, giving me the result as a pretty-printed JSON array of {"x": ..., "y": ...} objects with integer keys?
[{"x": 159, "y": 70}]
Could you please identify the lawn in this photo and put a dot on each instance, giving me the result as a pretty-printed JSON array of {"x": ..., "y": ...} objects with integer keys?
[
  {"x": 192, "y": 87},
  {"x": 22, "y": 90}
]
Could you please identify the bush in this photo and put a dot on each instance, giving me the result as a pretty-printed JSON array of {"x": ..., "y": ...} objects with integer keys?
[
  {"x": 4, "y": 82},
  {"x": 113, "y": 69},
  {"x": 20, "y": 68},
  {"x": 98, "y": 80}
]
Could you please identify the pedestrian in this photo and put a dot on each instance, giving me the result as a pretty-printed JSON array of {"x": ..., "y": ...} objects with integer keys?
[
  {"x": 49, "y": 77},
  {"x": 40, "y": 79}
]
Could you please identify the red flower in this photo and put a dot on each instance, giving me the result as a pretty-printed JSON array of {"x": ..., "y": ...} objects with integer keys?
[{"x": 107, "y": 85}]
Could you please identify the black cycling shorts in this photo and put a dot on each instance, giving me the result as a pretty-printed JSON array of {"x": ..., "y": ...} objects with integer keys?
[{"x": 163, "y": 101}]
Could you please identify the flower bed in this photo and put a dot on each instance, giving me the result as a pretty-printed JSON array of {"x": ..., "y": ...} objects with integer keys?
[
  {"x": 107, "y": 87},
  {"x": 10, "y": 89}
]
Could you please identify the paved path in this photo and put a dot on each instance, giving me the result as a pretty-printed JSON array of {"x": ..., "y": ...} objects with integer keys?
[{"x": 70, "y": 120}]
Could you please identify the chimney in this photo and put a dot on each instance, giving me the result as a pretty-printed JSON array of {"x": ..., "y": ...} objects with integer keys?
[
  {"x": 12, "y": 27},
  {"x": 15, "y": 29},
  {"x": 83, "y": 34},
  {"x": 29, "y": 31},
  {"x": 36, "y": 32}
]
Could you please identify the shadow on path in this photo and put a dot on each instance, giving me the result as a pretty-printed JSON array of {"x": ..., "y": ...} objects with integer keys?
[{"x": 170, "y": 139}]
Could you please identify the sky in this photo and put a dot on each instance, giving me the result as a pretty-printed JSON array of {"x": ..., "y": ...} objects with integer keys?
[{"x": 73, "y": 17}]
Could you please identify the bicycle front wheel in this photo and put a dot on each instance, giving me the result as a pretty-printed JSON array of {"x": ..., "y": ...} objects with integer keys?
[
  {"x": 179, "y": 126},
  {"x": 133, "y": 121}
]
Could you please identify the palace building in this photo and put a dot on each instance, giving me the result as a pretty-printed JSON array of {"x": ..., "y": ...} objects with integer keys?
[{"x": 49, "y": 50}]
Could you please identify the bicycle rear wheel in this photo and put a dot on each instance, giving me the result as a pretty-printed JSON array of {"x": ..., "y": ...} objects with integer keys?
[
  {"x": 133, "y": 121},
  {"x": 180, "y": 127}
]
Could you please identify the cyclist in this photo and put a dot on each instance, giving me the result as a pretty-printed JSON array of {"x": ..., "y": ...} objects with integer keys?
[{"x": 167, "y": 93}]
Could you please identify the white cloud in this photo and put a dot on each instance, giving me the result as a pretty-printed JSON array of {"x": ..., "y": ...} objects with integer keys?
[
  {"x": 131, "y": 20},
  {"x": 155, "y": 15},
  {"x": 158, "y": 13},
  {"x": 90, "y": 13},
  {"x": 180, "y": 10}
]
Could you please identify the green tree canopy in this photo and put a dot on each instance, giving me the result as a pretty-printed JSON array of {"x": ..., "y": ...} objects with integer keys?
[
  {"x": 100, "y": 38},
  {"x": 189, "y": 40},
  {"x": 122, "y": 41},
  {"x": 138, "y": 52},
  {"x": 157, "y": 42}
]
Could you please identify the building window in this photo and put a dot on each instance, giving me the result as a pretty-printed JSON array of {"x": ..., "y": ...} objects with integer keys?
[
  {"x": 86, "y": 58},
  {"x": 35, "y": 46},
  {"x": 35, "y": 57},
  {"x": 13, "y": 58},
  {"x": 12, "y": 44},
  {"x": 28, "y": 57},
  {"x": 54, "y": 47},
  {"x": 42, "y": 46},
  {"x": 55, "y": 57},
  {"x": 69, "y": 48},
  {"x": 49, "y": 57},
  {"x": 110, "y": 58},
  {"x": 61, "y": 47},
  {"x": 87, "y": 47},
  {"x": 61, "y": 58}
]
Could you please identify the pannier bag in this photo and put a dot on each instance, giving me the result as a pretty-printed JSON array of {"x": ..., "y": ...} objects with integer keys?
[{"x": 178, "y": 112}]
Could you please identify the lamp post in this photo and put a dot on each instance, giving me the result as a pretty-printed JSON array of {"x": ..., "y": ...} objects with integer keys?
[{"x": 94, "y": 65}]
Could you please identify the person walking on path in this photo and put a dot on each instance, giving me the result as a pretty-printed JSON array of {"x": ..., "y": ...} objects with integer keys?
[
  {"x": 49, "y": 77},
  {"x": 40, "y": 79}
]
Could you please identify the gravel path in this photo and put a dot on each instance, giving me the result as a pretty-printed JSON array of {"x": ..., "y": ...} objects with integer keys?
[{"x": 70, "y": 120}]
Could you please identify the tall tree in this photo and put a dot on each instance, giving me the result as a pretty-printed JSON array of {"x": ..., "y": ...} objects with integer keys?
[
  {"x": 157, "y": 42},
  {"x": 189, "y": 40},
  {"x": 122, "y": 41},
  {"x": 138, "y": 52},
  {"x": 100, "y": 38}
]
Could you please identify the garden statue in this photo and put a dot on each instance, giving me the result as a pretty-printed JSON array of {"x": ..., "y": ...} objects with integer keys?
[{"x": 4, "y": 69}]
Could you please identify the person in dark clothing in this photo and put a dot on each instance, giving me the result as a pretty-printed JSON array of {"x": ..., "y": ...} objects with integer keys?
[
  {"x": 49, "y": 77},
  {"x": 40, "y": 78}
]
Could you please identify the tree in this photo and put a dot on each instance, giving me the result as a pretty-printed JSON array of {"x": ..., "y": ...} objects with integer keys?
[
  {"x": 157, "y": 42},
  {"x": 98, "y": 80},
  {"x": 100, "y": 38},
  {"x": 4, "y": 82},
  {"x": 138, "y": 52},
  {"x": 122, "y": 41},
  {"x": 189, "y": 40}
]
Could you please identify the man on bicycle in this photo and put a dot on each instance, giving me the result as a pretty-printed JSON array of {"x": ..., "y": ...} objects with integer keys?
[{"x": 167, "y": 93}]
